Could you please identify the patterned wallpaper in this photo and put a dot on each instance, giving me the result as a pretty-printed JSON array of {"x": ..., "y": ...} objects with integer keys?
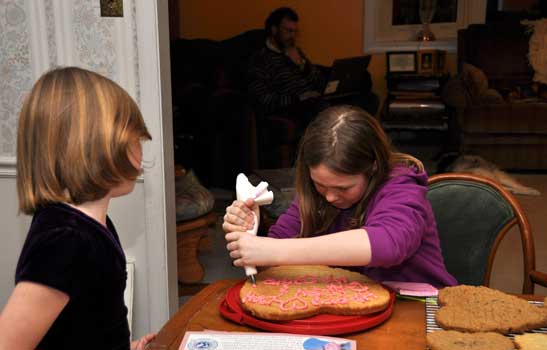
[
  {"x": 50, "y": 18},
  {"x": 96, "y": 45},
  {"x": 15, "y": 70},
  {"x": 93, "y": 39}
]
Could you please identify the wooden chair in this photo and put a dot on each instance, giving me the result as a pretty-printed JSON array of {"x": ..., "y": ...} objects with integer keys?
[
  {"x": 473, "y": 215},
  {"x": 192, "y": 234},
  {"x": 189, "y": 236}
]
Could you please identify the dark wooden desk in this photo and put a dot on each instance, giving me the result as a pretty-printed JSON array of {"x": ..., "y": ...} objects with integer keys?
[{"x": 404, "y": 329}]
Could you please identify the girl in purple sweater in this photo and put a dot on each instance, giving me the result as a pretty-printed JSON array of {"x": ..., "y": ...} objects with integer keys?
[{"x": 358, "y": 204}]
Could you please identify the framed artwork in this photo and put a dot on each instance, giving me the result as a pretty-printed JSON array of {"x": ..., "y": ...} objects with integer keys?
[
  {"x": 401, "y": 62},
  {"x": 431, "y": 61},
  {"x": 111, "y": 8},
  {"x": 418, "y": 11},
  {"x": 392, "y": 25},
  {"x": 427, "y": 61}
]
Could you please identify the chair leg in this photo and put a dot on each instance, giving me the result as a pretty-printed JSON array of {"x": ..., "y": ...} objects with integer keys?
[
  {"x": 192, "y": 235},
  {"x": 205, "y": 244},
  {"x": 189, "y": 267}
]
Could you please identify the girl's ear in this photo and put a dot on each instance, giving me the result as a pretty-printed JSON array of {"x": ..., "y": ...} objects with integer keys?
[{"x": 375, "y": 166}]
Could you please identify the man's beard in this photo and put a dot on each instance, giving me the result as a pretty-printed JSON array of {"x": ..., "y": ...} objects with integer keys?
[{"x": 283, "y": 45}]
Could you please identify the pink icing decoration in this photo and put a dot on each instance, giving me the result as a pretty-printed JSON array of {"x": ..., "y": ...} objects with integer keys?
[
  {"x": 293, "y": 304},
  {"x": 338, "y": 291}
]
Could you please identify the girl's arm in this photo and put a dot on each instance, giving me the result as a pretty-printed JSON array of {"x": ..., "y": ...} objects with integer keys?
[
  {"x": 31, "y": 310},
  {"x": 345, "y": 248},
  {"x": 395, "y": 228}
]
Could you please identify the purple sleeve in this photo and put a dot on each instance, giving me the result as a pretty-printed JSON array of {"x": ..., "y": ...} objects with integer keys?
[
  {"x": 396, "y": 221},
  {"x": 288, "y": 224}
]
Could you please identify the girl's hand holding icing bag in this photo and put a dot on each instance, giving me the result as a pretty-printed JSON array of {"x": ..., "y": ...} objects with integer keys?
[{"x": 260, "y": 196}]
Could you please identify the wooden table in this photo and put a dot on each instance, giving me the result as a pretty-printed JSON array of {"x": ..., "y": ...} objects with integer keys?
[{"x": 405, "y": 329}]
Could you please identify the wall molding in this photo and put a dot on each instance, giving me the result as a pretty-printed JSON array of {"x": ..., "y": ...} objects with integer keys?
[{"x": 7, "y": 167}]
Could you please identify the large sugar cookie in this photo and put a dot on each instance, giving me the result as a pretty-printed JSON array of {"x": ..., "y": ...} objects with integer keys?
[
  {"x": 296, "y": 292},
  {"x": 481, "y": 309},
  {"x": 454, "y": 340},
  {"x": 531, "y": 341}
]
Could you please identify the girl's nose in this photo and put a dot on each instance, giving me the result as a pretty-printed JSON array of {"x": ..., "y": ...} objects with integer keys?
[{"x": 330, "y": 197}]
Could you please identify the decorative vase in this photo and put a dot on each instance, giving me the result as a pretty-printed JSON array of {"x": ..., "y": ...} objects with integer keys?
[{"x": 427, "y": 10}]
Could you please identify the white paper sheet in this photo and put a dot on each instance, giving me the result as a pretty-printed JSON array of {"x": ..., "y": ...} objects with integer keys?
[
  {"x": 268, "y": 341},
  {"x": 332, "y": 86}
]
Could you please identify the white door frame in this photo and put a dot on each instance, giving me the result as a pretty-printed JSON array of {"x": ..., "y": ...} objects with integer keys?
[{"x": 159, "y": 183}]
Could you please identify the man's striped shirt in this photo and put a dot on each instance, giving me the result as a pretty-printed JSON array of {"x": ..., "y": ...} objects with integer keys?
[{"x": 276, "y": 82}]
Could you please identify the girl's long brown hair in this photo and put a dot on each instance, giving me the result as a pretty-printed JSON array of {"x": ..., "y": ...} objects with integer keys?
[{"x": 346, "y": 140}]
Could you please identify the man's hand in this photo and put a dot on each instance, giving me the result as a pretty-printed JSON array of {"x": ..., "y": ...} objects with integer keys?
[
  {"x": 294, "y": 55},
  {"x": 308, "y": 94}
]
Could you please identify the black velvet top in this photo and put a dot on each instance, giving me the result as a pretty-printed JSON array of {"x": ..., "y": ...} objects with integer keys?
[{"x": 71, "y": 252}]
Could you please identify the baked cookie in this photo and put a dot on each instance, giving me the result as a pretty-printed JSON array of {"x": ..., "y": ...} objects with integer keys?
[
  {"x": 454, "y": 340},
  {"x": 481, "y": 309},
  {"x": 531, "y": 341},
  {"x": 296, "y": 292}
]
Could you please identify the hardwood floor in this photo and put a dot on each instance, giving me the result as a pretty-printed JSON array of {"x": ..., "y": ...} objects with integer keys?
[{"x": 507, "y": 269}]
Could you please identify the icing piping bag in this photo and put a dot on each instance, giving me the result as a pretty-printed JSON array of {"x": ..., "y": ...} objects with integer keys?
[{"x": 261, "y": 196}]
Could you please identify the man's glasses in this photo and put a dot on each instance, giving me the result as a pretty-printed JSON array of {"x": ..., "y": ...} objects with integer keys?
[{"x": 289, "y": 30}]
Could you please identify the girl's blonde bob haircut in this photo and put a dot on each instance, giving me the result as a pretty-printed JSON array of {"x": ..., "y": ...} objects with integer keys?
[{"x": 73, "y": 138}]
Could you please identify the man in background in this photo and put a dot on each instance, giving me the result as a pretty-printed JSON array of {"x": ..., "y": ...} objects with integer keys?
[
  {"x": 285, "y": 88},
  {"x": 281, "y": 78}
]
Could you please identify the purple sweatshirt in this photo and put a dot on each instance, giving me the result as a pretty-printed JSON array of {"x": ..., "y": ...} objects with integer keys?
[{"x": 401, "y": 228}]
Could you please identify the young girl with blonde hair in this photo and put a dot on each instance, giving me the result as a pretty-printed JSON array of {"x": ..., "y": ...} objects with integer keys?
[
  {"x": 78, "y": 146},
  {"x": 358, "y": 204}
]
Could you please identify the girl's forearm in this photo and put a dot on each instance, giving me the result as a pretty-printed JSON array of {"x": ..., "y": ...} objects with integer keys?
[{"x": 346, "y": 248}]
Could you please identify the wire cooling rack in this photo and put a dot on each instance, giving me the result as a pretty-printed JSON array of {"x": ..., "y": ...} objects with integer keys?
[{"x": 431, "y": 307}]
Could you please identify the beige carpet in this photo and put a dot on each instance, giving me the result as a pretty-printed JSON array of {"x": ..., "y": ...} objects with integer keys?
[{"x": 507, "y": 273}]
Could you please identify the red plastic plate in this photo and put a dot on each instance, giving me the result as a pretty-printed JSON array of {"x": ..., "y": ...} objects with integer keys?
[{"x": 231, "y": 308}]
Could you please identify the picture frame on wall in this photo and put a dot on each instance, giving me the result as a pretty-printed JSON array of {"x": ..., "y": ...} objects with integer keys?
[
  {"x": 427, "y": 61},
  {"x": 431, "y": 62},
  {"x": 385, "y": 31},
  {"x": 401, "y": 62}
]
